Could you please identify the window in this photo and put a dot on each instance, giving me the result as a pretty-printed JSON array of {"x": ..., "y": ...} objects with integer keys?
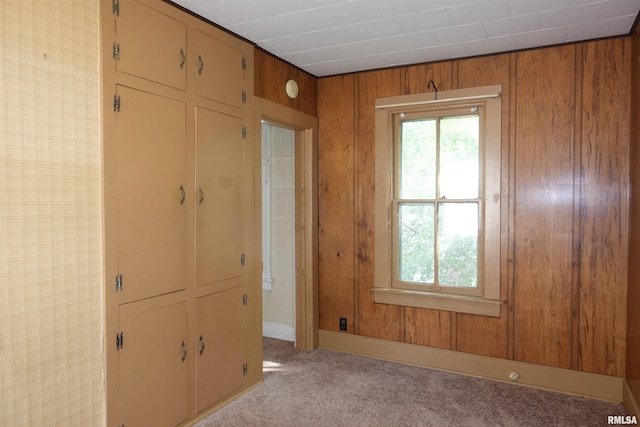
[{"x": 438, "y": 200}]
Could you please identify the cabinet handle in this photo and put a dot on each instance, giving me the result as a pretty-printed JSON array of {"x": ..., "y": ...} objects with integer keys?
[
  {"x": 184, "y": 58},
  {"x": 201, "y": 191},
  {"x": 184, "y": 351},
  {"x": 184, "y": 195},
  {"x": 200, "y": 65},
  {"x": 202, "y": 345}
]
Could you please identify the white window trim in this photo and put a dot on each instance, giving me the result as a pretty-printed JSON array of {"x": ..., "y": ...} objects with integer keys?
[{"x": 489, "y": 303}]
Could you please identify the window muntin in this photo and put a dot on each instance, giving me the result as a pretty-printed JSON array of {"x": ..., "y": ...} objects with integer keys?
[{"x": 437, "y": 200}]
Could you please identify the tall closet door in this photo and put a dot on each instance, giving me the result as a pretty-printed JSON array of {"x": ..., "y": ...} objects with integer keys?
[
  {"x": 151, "y": 178},
  {"x": 221, "y": 352},
  {"x": 219, "y": 195},
  {"x": 154, "y": 386},
  {"x": 150, "y": 44}
]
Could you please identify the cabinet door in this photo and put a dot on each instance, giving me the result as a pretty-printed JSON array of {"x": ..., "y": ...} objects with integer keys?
[
  {"x": 221, "y": 355},
  {"x": 152, "y": 45},
  {"x": 219, "y": 70},
  {"x": 153, "y": 366},
  {"x": 152, "y": 248},
  {"x": 219, "y": 196}
]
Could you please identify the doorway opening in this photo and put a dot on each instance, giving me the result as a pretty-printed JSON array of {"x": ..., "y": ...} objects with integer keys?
[
  {"x": 289, "y": 212},
  {"x": 278, "y": 232}
]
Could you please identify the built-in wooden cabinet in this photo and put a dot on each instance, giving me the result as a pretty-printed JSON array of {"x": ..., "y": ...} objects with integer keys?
[
  {"x": 219, "y": 193},
  {"x": 221, "y": 349},
  {"x": 155, "y": 50},
  {"x": 177, "y": 178},
  {"x": 151, "y": 196},
  {"x": 218, "y": 79},
  {"x": 154, "y": 364}
]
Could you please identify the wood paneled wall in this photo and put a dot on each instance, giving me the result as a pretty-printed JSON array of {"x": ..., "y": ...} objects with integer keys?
[
  {"x": 633, "y": 295},
  {"x": 565, "y": 211},
  {"x": 271, "y": 75}
]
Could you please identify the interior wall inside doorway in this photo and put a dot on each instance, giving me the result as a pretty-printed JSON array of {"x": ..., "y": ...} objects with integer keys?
[{"x": 278, "y": 232}]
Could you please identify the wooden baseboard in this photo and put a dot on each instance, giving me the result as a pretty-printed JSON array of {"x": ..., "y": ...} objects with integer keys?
[
  {"x": 567, "y": 381},
  {"x": 629, "y": 401}
]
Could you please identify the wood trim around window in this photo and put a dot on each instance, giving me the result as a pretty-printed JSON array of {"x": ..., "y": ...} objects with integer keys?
[{"x": 489, "y": 302}]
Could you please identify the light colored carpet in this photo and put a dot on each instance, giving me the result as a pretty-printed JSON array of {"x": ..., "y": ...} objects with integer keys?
[{"x": 329, "y": 388}]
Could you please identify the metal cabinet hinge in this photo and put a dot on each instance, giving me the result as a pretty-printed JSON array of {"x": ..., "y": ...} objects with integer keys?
[
  {"x": 242, "y": 259},
  {"x": 116, "y": 103},
  {"x": 119, "y": 341},
  {"x": 115, "y": 7},
  {"x": 244, "y": 96},
  {"x": 115, "y": 50},
  {"x": 245, "y": 299},
  {"x": 244, "y": 132},
  {"x": 244, "y": 369},
  {"x": 244, "y": 63},
  {"x": 118, "y": 282}
]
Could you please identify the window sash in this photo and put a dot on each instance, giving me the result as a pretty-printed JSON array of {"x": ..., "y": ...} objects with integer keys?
[{"x": 435, "y": 116}]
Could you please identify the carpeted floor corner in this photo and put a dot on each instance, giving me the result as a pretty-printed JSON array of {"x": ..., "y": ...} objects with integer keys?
[{"x": 328, "y": 388}]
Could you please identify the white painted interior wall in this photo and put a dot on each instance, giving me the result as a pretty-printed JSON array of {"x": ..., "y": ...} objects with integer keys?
[{"x": 278, "y": 297}]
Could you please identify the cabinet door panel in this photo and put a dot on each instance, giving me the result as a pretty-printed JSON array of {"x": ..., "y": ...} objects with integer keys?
[
  {"x": 152, "y": 247},
  {"x": 153, "y": 376},
  {"x": 151, "y": 45},
  {"x": 219, "y": 362},
  {"x": 219, "y": 72},
  {"x": 219, "y": 194}
]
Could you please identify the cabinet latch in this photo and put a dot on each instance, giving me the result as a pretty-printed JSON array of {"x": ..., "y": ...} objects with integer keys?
[
  {"x": 244, "y": 96},
  {"x": 118, "y": 282},
  {"x": 115, "y": 50},
  {"x": 244, "y": 132}
]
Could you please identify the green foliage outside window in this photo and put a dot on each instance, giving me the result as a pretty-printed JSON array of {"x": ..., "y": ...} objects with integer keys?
[{"x": 439, "y": 201}]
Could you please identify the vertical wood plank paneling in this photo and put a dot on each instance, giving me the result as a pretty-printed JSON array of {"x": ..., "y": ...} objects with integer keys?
[
  {"x": 480, "y": 334},
  {"x": 577, "y": 173},
  {"x": 633, "y": 295},
  {"x": 545, "y": 190},
  {"x": 336, "y": 204},
  {"x": 604, "y": 205},
  {"x": 561, "y": 159},
  {"x": 428, "y": 327},
  {"x": 417, "y": 77},
  {"x": 272, "y": 73},
  {"x": 374, "y": 320}
]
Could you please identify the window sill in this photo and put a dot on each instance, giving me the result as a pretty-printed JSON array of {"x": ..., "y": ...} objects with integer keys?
[{"x": 432, "y": 300}]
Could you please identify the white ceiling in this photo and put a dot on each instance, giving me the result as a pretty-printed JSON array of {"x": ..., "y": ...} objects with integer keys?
[{"x": 326, "y": 37}]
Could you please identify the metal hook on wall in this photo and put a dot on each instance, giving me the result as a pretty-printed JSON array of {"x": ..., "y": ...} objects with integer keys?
[{"x": 430, "y": 85}]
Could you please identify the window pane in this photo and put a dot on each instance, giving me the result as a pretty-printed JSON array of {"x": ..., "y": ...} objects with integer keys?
[
  {"x": 418, "y": 159},
  {"x": 416, "y": 242},
  {"x": 459, "y": 157},
  {"x": 458, "y": 244}
]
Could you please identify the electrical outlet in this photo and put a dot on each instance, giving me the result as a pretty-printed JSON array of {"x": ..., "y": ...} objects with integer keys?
[{"x": 343, "y": 323}]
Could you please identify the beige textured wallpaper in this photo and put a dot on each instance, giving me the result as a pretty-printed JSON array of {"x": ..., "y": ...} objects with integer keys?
[{"x": 51, "y": 285}]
